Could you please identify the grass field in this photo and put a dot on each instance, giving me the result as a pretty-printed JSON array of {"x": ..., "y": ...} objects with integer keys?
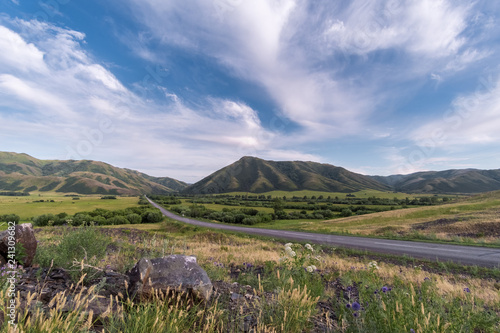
[
  {"x": 475, "y": 220},
  {"x": 255, "y": 284},
  {"x": 26, "y": 208},
  {"x": 359, "y": 194}
]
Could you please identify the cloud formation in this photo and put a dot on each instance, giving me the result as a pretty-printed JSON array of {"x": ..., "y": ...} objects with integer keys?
[{"x": 64, "y": 96}]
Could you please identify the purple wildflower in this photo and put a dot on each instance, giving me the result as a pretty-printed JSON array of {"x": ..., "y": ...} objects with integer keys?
[
  {"x": 384, "y": 289},
  {"x": 356, "y": 306},
  {"x": 348, "y": 305},
  {"x": 412, "y": 330},
  {"x": 355, "y": 314},
  {"x": 467, "y": 290}
]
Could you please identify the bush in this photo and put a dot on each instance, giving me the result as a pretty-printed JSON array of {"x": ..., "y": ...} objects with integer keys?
[
  {"x": 346, "y": 212},
  {"x": 117, "y": 220},
  {"x": 81, "y": 219},
  {"x": 134, "y": 218},
  {"x": 152, "y": 216},
  {"x": 9, "y": 218},
  {"x": 84, "y": 243}
]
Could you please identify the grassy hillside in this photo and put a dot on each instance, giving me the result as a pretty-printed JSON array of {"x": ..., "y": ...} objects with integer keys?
[
  {"x": 255, "y": 175},
  {"x": 472, "y": 220},
  {"x": 21, "y": 172},
  {"x": 449, "y": 181}
]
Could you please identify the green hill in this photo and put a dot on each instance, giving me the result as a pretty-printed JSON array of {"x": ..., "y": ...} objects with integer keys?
[
  {"x": 251, "y": 174},
  {"x": 21, "y": 172},
  {"x": 449, "y": 181}
]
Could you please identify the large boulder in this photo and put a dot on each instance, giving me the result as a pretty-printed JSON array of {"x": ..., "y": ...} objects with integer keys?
[
  {"x": 172, "y": 273},
  {"x": 26, "y": 237}
]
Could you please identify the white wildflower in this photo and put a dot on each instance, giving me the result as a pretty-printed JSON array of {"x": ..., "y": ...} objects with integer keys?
[
  {"x": 309, "y": 247},
  {"x": 313, "y": 267},
  {"x": 288, "y": 245},
  {"x": 373, "y": 265},
  {"x": 292, "y": 254},
  {"x": 310, "y": 269}
]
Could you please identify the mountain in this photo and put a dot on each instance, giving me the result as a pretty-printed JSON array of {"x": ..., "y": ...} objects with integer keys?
[
  {"x": 251, "y": 174},
  {"x": 449, "y": 181},
  {"x": 21, "y": 172}
]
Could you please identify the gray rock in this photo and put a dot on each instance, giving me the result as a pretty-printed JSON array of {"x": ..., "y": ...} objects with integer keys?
[
  {"x": 26, "y": 237},
  {"x": 167, "y": 274}
]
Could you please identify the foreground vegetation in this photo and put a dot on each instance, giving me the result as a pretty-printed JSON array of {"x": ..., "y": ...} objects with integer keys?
[{"x": 280, "y": 287}]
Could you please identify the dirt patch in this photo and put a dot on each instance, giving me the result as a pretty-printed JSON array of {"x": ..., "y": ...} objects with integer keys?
[
  {"x": 435, "y": 223},
  {"x": 483, "y": 229}
]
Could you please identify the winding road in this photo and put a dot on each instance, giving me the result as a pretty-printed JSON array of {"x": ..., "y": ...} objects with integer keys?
[{"x": 468, "y": 255}]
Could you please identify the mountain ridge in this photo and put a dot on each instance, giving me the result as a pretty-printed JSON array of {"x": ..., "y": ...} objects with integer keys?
[
  {"x": 22, "y": 172},
  {"x": 252, "y": 174}
]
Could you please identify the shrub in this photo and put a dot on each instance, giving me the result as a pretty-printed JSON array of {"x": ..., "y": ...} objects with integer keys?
[
  {"x": 152, "y": 216},
  {"x": 134, "y": 218},
  {"x": 9, "y": 218},
  {"x": 117, "y": 220},
  {"x": 84, "y": 243}
]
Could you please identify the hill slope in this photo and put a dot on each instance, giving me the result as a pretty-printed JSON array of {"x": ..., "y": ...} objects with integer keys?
[
  {"x": 449, "y": 181},
  {"x": 251, "y": 174},
  {"x": 21, "y": 172}
]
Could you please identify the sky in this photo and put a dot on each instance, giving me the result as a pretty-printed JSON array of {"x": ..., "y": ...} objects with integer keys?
[{"x": 183, "y": 88}]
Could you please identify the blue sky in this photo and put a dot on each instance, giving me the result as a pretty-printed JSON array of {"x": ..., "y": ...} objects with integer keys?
[{"x": 183, "y": 88}]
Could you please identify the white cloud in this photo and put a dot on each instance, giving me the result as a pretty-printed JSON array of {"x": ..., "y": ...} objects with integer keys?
[
  {"x": 76, "y": 108},
  {"x": 472, "y": 119},
  {"x": 430, "y": 28},
  {"x": 17, "y": 55}
]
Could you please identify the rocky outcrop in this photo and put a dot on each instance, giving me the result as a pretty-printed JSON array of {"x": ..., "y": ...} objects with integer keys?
[
  {"x": 167, "y": 274},
  {"x": 25, "y": 236}
]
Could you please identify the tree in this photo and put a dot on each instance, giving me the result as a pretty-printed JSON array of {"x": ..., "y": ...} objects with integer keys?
[{"x": 277, "y": 205}]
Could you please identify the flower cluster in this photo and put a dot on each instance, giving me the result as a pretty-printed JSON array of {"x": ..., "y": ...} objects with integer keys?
[
  {"x": 311, "y": 268},
  {"x": 300, "y": 257},
  {"x": 247, "y": 265},
  {"x": 288, "y": 250},
  {"x": 372, "y": 265}
]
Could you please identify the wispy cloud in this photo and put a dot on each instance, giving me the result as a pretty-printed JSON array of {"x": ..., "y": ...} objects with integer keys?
[{"x": 68, "y": 98}]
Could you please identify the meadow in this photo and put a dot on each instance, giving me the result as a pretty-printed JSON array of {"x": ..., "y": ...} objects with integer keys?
[
  {"x": 461, "y": 220},
  {"x": 27, "y": 207},
  {"x": 260, "y": 284}
]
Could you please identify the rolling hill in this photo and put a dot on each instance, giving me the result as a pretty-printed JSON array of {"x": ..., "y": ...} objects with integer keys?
[
  {"x": 251, "y": 174},
  {"x": 449, "y": 181},
  {"x": 21, "y": 172}
]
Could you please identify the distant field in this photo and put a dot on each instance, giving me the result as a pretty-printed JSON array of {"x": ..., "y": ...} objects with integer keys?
[
  {"x": 26, "y": 208},
  {"x": 359, "y": 194},
  {"x": 474, "y": 220}
]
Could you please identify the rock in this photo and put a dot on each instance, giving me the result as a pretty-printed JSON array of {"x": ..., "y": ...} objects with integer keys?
[
  {"x": 26, "y": 237},
  {"x": 112, "y": 284},
  {"x": 235, "y": 296},
  {"x": 174, "y": 272}
]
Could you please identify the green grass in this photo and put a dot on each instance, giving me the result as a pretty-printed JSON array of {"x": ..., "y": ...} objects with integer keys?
[
  {"x": 359, "y": 194},
  {"x": 26, "y": 208},
  {"x": 395, "y": 297}
]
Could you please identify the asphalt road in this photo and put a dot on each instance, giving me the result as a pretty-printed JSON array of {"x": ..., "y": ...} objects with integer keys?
[{"x": 468, "y": 255}]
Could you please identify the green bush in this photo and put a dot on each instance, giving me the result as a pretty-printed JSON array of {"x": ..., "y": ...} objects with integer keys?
[
  {"x": 134, "y": 218},
  {"x": 117, "y": 220},
  {"x": 84, "y": 243},
  {"x": 10, "y": 218}
]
